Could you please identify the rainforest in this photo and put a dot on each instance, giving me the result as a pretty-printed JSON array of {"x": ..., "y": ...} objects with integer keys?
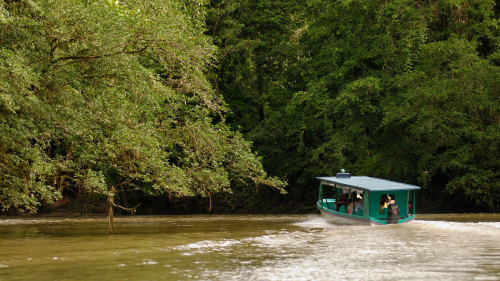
[{"x": 216, "y": 106}]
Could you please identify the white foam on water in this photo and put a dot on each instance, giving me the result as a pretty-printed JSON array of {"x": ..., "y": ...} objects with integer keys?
[
  {"x": 210, "y": 245},
  {"x": 315, "y": 222},
  {"x": 474, "y": 227},
  {"x": 148, "y": 262},
  {"x": 279, "y": 241}
]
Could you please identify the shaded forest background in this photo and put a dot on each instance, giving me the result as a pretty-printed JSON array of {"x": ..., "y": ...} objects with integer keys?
[{"x": 231, "y": 106}]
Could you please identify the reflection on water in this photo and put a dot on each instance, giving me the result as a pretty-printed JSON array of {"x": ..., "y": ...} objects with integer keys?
[{"x": 300, "y": 247}]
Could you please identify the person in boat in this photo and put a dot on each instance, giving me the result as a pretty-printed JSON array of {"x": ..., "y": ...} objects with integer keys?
[
  {"x": 350, "y": 203},
  {"x": 358, "y": 204},
  {"x": 343, "y": 200},
  {"x": 385, "y": 201}
]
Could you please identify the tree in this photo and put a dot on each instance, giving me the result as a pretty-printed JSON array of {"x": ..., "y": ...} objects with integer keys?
[
  {"x": 398, "y": 89},
  {"x": 111, "y": 96}
]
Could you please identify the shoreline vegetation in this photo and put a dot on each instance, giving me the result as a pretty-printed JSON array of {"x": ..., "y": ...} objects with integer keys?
[
  {"x": 211, "y": 106},
  {"x": 474, "y": 217},
  {"x": 75, "y": 208}
]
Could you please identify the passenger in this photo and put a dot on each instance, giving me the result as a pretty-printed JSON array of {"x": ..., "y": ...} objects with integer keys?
[
  {"x": 350, "y": 203},
  {"x": 385, "y": 201},
  {"x": 358, "y": 204},
  {"x": 341, "y": 201}
]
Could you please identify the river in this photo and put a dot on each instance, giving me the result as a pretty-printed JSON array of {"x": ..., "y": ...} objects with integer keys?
[{"x": 249, "y": 247}]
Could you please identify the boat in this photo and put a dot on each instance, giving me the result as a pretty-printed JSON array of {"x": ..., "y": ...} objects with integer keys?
[{"x": 362, "y": 200}]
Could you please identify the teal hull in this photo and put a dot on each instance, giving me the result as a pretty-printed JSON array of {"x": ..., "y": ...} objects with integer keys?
[{"x": 348, "y": 219}]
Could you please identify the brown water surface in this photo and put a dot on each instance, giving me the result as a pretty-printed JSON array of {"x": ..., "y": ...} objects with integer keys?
[{"x": 247, "y": 247}]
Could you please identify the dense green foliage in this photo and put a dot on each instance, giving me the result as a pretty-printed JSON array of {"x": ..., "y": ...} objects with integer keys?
[
  {"x": 166, "y": 97},
  {"x": 105, "y": 97},
  {"x": 406, "y": 90}
]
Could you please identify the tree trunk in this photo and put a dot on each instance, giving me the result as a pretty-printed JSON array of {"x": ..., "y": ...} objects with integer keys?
[{"x": 111, "y": 207}]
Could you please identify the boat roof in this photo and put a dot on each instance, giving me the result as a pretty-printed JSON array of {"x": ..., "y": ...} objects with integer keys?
[{"x": 367, "y": 183}]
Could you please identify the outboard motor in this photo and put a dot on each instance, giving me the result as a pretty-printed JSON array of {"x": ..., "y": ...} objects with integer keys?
[{"x": 393, "y": 213}]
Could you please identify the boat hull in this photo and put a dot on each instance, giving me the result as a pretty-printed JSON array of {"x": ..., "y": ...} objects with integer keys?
[
  {"x": 343, "y": 220},
  {"x": 346, "y": 219}
]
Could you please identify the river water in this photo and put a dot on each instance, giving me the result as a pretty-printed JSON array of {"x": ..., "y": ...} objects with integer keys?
[{"x": 248, "y": 247}]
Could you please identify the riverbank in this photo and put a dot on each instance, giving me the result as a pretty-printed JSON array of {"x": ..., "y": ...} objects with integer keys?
[{"x": 73, "y": 207}]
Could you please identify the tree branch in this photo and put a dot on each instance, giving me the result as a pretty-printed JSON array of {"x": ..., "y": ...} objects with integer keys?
[
  {"x": 131, "y": 210},
  {"x": 92, "y": 57}
]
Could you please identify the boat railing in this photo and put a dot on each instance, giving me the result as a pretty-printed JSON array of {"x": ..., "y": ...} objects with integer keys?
[{"x": 329, "y": 203}]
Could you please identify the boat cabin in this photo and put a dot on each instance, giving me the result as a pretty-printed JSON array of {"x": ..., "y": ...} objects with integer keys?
[{"x": 347, "y": 199}]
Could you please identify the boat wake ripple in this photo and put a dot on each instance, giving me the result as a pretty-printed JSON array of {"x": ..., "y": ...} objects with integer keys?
[
  {"x": 492, "y": 228},
  {"x": 208, "y": 245},
  {"x": 315, "y": 222}
]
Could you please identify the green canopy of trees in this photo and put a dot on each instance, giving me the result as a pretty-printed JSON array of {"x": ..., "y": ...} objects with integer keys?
[
  {"x": 171, "y": 96},
  {"x": 109, "y": 96},
  {"x": 406, "y": 90}
]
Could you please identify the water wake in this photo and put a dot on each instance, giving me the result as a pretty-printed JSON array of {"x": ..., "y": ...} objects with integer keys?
[
  {"x": 208, "y": 245},
  {"x": 315, "y": 222},
  {"x": 492, "y": 228}
]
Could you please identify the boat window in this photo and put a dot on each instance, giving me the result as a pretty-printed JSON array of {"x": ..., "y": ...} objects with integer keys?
[
  {"x": 329, "y": 192},
  {"x": 384, "y": 197}
]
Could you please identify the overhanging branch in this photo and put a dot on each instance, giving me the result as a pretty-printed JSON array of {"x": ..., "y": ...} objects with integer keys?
[{"x": 92, "y": 57}]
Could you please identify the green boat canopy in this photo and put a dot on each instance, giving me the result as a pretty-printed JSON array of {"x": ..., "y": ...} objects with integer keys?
[{"x": 366, "y": 183}]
